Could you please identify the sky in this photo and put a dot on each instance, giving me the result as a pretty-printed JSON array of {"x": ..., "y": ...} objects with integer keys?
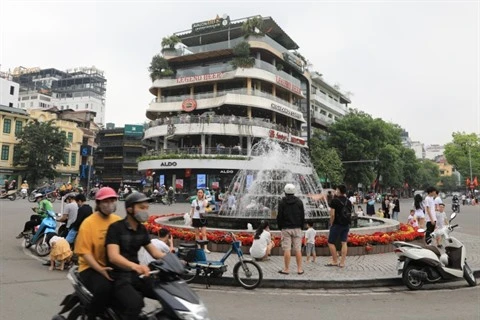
[{"x": 413, "y": 63}]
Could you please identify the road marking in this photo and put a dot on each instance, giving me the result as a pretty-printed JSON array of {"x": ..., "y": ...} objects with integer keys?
[{"x": 29, "y": 253}]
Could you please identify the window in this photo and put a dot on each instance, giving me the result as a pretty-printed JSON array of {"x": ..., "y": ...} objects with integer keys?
[
  {"x": 12, "y": 90},
  {"x": 10, "y": 104},
  {"x": 7, "y": 124},
  {"x": 18, "y": 127},
  {"x": 16, "y": 150},
  {"x": 73, "y": 161},
  {"x": 65, "y": 158},
  {"x": 5, "y": 152},
  {"x": 70, "y": 136}
]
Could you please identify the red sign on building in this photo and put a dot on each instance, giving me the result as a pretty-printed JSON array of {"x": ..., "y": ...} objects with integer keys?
[{"x": 189, "y": 104}]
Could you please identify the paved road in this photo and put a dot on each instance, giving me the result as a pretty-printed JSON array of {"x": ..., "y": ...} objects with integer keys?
[{"x": 29, "y": 291}]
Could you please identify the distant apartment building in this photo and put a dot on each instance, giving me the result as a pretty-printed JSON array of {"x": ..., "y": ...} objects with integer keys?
[
  {"x": 12, "y": 121},
  {"x": 418, "y": 148},
  {"x": 433, "y": 151},
  {"x": 8, "y": 91},
  {"x": 77, "y": 89}
]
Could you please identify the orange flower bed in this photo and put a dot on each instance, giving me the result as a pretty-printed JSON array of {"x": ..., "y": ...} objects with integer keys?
[{"x": 404, "y": 233}]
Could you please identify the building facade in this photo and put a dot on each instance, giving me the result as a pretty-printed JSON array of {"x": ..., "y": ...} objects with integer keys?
[
  {"x": 211, "y": 105},
  {"x": 8, "y": 91},
  {"x": 115, "y": 159},
  {"x": 82, "y": 88},
  {"x": 12, "y": 121}
]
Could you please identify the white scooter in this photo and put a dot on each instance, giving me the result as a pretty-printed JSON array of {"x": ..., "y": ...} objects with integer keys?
[{"x": 419, "y": 265}]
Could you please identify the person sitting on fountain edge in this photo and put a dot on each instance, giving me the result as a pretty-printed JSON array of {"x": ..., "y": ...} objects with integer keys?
[{"x": 291, "y": 220}]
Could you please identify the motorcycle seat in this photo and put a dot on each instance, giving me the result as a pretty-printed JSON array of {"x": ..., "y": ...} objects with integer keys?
[{"x": 434, "y": 250}]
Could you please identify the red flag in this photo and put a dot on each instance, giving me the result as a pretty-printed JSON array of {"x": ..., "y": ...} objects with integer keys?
[
  {"x": 468, "y": 181},
  {"x": 475, "y": 181}
]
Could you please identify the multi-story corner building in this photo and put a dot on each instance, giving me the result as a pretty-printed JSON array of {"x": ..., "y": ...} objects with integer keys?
[
  {"x": 212, "y": 102},
  {"x": 69, "y": 171},
  {"x": 8, "y": 90},
  {"x": 80, "y": 88},
  {"x": 12, "y": 121},
  {"x": 115, "y": 159}
]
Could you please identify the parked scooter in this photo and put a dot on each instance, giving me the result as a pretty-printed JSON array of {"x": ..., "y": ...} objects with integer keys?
[
  {"x": 10, "y": 195},
  {"x": 42, "y": 234},
  {"x": 177, "y": 300},
  {"x": 420, "y": 265}
]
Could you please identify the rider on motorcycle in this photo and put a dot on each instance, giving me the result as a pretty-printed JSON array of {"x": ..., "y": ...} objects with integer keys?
[
  {"x": 455, "y": 203},
  {"x": 124, "y": 240},
  {"x": 44, "y": 206}
]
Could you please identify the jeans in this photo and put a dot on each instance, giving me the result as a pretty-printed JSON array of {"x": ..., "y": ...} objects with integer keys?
[
  {"x": 395, "y": 215},
  {"x": 72, "y": 234},
  {"x": 35, "y": 220},
  {"x": 100, "y": 287}
]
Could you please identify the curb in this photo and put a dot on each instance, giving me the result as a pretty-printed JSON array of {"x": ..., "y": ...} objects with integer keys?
[{"x": 318, "y": 284}]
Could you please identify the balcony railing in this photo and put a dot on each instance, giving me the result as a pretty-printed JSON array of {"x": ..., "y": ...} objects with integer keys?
[
  {"x": 195, "y": 150},
  {"x": 211, "y": 94},
  {"x": 260, "y": 122},
  {"x": 319, "y": 96}
]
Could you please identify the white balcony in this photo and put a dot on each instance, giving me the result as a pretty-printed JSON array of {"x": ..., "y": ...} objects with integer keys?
[{"x": 329, "y": 104}]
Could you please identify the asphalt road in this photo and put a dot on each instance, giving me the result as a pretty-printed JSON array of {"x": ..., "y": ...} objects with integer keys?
[{"x": 29, "y": 291}]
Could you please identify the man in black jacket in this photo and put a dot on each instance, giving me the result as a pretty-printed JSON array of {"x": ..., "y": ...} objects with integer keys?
[{"x": 291, "y": 219}]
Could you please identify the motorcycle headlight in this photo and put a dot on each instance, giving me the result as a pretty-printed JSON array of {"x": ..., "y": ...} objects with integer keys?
[{"x": 196, "y": 311}]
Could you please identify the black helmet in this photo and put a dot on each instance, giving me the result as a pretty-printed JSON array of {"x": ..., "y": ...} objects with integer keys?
[{"x": 136, "y": 197}]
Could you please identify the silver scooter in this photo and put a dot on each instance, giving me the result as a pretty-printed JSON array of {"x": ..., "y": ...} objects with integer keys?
[{"x": 419, "y": 265}]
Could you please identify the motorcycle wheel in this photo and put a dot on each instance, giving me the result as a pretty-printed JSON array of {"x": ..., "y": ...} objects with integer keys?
[
  {"x": 77, "y": 313},
  {"x": 41, "y": 247},
  {"x": 12, "y": 197},
  {"x": 411, "y": 282},
  {"x": 31, "y": 197},
  {"x": 51, "y": 197},
  {"x": 468, "y": 275},
  {"x": 248, "y": 274},
  {"x": 189, "y": 274}
]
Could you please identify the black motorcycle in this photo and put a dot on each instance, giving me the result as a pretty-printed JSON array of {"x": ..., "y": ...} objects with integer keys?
[
  {"x": 456, "y": 206},
  {"x": 177, "y": 300}
]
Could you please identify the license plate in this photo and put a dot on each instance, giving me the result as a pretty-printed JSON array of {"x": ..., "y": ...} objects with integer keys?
[{"x": 400, "y": 265}]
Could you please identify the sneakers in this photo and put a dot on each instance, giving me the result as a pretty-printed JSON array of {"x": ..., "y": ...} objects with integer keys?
[
  {"x": 22, "y": 234},
  {"x": 207, "y": 251}
]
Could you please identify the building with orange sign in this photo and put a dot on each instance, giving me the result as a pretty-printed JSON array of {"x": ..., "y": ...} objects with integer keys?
[{"x": 216, "y": 102}]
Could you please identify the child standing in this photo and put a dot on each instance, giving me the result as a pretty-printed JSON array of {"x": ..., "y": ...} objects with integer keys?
[
  {"x": 412, "y": 220},
  {"x": 310, "y": 235},
  {"x": 441, "y": 222},
  {"x": 359, "y": 212}
]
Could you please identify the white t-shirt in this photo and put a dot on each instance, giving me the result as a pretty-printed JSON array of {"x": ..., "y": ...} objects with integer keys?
[
  {"x": 430, "y": 203},
  {"x": 201, "y": 204},
  {"x": 412, "y": 221},
  {"x": 258, "y": 249},
  {"x": 352, "y": 199},
  {"x": 441, "y": 216},
  {"x": 310, "y": 235},
  {"x": 145, "y": 258},
  {"x": 71, "y": 211}
]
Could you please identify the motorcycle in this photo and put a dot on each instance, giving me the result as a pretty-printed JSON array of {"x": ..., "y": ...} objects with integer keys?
[
  {"x": 42, "y": 234},
  {"x": 456, "y": 206},
  {"x": 10, "y": 195},
  {"x": 177, "y": 300},
  {"x": 420, "y": 265},
  {"x": 23, "y": 193}
]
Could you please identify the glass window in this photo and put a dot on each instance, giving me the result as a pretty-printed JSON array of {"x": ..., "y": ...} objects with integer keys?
[
  {"x": 7, "y": 125},
  {"x": 5, "y": 152},
  {"x": 70, "y": 136},
  {"x": 73, "y": 161},
  {"x": 12, "y": 90},
  {"x": 65, "y": 158},
  {"x": 18, "y": 127}
]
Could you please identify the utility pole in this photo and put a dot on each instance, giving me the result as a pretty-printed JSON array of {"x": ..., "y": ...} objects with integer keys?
[{"x": 470, "y": 161}]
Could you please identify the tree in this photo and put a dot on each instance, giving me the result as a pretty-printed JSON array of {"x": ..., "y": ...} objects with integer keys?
[
  {"x": 40, "y": 149},
  {"x": 242, "y": 56},
  {"x": 461, "y": 150},
  {"x": 159, "y": 68},
  {"x": 326, "y": 161},
  {"x": 448, "y": 183},
  {"x": 170, "y": 42},
  {"x": 253, "y": 26},
  {"x": 428, "y": 175},
  {"x": 411, "y": 165}
]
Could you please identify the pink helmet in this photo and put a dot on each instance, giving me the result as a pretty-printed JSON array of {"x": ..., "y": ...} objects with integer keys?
[{"x": 105, "y": 193}]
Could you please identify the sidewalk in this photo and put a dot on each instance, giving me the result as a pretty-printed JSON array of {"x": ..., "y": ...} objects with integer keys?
[{"x": 374, "y": 270}]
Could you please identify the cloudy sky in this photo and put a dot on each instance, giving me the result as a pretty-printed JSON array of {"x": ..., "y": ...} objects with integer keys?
[{"x": 414, "y": 63}]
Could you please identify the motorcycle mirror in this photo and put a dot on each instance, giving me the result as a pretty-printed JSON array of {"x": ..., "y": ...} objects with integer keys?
[
  {"x": 453, "y": 215},
  {"x": 421, "y": 230}
]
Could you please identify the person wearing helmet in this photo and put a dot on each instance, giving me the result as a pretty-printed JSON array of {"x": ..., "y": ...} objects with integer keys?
[
  {"x": 124, "y": 240},
  {"x": 170, "y": 196},
  {"x": 291, "y": 220},
  {"x": 44, "y": 206},
  {"x": 90, "y": 248}
]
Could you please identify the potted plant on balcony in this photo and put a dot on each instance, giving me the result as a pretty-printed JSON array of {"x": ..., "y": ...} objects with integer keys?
[
  {"x": 242, "y": 56},
  {"x": 279, "y": 66},
  {"x": 159, "y": 68},
  {"x": 253, "y": 27},
  {"x": 168, "y": 43}
]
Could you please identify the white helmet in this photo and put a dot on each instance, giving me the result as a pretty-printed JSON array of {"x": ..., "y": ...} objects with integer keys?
[
  {"x": 289, "y": 188},
  {"x": 38, "y": 195}
]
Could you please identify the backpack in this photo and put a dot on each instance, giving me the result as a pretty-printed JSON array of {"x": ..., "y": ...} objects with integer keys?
[{"x": 345, "y": 215}]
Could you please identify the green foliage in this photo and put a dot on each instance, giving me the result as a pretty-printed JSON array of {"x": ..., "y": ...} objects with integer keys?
[
  {"x": 326, "y": 161},
  {"x": 242, "y": 56},
  {"x": 170, "y": 42},
  {"x": 448, "y": 183},
  {"x": 159, "y": 68},
  {"x": 253, "y": 27},
  {"x": 411, "y": 165},
  {"x": 188, "y": 156},
  {"x": 428, "y": 174},
  {"x": 40, "y": 150},
  {"x": 458, "y": 151}
]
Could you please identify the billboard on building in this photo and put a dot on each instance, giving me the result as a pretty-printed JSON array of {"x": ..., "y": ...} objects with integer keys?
[
  {"x": 201, "y": 181},
  {"x": 133, "y": 130}
]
